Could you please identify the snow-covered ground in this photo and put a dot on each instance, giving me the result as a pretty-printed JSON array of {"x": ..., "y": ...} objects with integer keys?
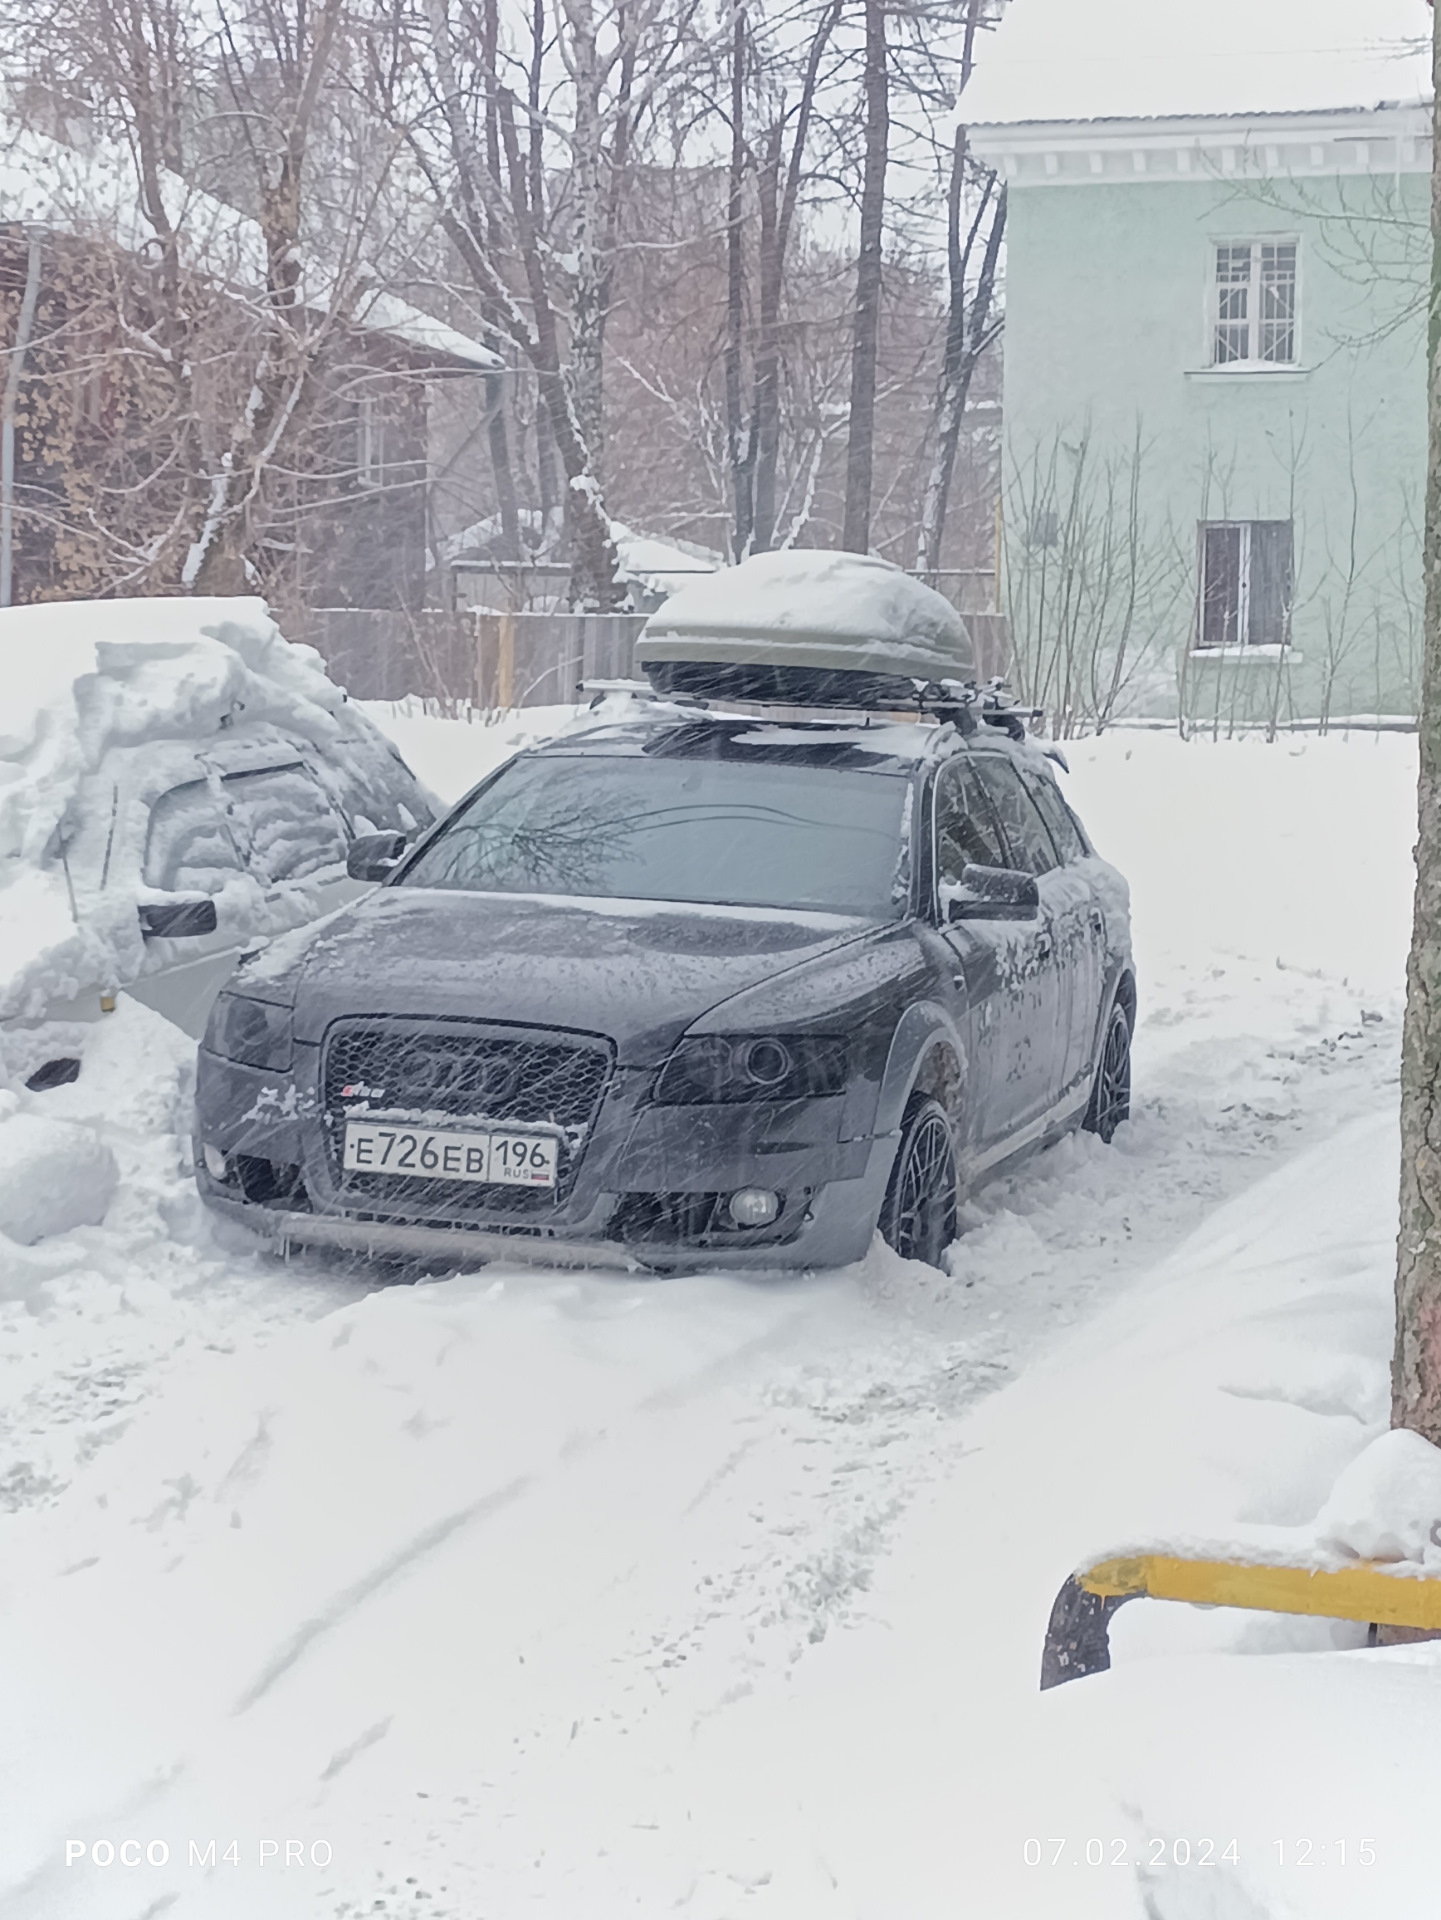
[{"x": 583, "y": 1595}]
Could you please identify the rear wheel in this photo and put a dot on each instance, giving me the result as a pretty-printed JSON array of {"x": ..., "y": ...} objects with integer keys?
[
  {"x": 1111, "y": 1093},
  {"x": 919, "y": 1215}
]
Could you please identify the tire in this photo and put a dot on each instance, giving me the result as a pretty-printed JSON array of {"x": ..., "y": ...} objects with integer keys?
[
  {"x": 918, "y": 1218},
  {"x": 1111, "y": 1090}
]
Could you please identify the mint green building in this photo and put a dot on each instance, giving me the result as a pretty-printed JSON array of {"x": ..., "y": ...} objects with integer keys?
[{"x": 1215, "y": 412}]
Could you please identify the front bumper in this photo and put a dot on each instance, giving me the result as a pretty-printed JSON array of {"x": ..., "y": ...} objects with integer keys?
[
  {"x": 647, "y": 1190},
  {"x": 841, "y": 1220}
]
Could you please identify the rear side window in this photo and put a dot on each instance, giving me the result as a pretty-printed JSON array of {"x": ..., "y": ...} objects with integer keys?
[
  {"x": 966, "y": 832},
  {"x": 1057, "y": 816},
  {"x": 1026, "y": 836}
]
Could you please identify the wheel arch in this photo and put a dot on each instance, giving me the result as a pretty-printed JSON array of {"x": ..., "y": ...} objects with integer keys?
[{"x": 926, "y": 1057}]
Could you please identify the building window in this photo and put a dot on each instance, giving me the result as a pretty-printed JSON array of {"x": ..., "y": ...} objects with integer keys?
[
  {"x": 1245, "y": 583},
  {"x": 370, "y": 443},
  {"x": 1043, "y": 528},
  {"x": 1254, "y": 303}
]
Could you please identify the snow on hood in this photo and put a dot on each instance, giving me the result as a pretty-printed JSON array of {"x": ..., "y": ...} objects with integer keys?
[
  {"x": 83, "y": 679},
  {"x": 812, "y": 609}
]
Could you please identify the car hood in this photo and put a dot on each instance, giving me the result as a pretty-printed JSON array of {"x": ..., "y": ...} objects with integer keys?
[{"x": 638, "y": 972}]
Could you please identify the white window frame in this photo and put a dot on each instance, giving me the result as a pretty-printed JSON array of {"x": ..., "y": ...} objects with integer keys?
[
  {"x": 1254, "y": 320},
  {"x": 1242, "y": 642}
]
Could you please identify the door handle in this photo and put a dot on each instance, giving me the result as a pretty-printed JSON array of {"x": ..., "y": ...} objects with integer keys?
[
  {"x": 1098, "y": 922},
  {"x": 1044, "y": 947}
]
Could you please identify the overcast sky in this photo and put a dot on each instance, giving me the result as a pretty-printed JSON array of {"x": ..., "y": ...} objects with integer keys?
[{"x": 1089, "y": 59}]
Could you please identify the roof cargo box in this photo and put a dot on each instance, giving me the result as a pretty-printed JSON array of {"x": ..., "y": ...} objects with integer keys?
[{"x": 807, "y": 628}]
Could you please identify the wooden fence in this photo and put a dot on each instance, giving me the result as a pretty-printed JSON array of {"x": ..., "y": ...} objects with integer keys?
[{"x": 485, "y": 659}]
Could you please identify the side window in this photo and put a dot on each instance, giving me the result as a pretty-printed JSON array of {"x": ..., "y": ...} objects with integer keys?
[
  {"x": 285, "y": 822},
  {"x": 966, "y": 832},
  {"x": 1026, "y": 836},
  {"x": 188, "y": 846},
  {"x": 1057, "y": 816}
]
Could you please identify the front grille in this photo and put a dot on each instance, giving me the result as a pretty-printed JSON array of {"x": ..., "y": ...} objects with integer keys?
[{"x": 439, "y": 1073}]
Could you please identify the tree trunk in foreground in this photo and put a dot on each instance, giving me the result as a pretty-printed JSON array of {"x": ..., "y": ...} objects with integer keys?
[{"x": 1416, "y": 1365}]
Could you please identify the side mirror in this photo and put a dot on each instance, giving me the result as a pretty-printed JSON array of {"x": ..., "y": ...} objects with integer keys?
[
  {"x": 176, "y": 919},
  {"x": 375, "y": 855},
  {"x": 994, "y": 893}
]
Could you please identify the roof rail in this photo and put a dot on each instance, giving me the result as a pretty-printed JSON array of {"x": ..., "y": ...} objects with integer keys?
[{"x": 961, "y": 702}]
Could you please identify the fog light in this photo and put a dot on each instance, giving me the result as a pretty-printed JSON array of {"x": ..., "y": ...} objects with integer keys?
[
  {"x": 215, "y": 1162},
  {"x": 754, "y": 1206}
]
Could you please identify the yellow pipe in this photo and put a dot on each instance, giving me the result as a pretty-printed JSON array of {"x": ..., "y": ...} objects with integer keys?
[{"x": 1366, "y": 1591}]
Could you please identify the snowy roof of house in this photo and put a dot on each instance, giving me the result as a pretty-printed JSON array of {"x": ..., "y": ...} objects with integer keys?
[
  {"x": 1056, "y": 60},
  {"x": 661, "y": 565},
  {"x": 45, "y": 181}
]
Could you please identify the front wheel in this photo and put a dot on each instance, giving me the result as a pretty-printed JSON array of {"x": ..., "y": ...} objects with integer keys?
[
  {"x": 1111, "y": 1092},
  {"x": 919, "y": 1215}
]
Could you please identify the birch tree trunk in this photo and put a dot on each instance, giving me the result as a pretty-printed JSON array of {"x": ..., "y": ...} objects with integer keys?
[
  {"x": 1416, "y": 1365},
  {"x": 860, "y": 446}
]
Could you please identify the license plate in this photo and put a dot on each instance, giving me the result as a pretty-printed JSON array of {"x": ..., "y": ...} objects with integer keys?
[{"x": 421, "y": 1153}]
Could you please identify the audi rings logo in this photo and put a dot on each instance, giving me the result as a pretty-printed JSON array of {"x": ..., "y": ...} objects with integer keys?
[{"x": 429, "y": 1074}]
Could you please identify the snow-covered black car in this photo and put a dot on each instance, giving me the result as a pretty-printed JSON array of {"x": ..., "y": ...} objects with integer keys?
[{"x": 684, "y": 990}]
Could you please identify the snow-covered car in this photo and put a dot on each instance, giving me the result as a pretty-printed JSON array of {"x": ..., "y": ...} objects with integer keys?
[
  {"x": 177, "y": 783},
  {"x": 684, "y": 990}
]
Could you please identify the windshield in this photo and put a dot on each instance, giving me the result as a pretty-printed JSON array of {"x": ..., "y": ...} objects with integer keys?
[{"x": 719, "y": 832}]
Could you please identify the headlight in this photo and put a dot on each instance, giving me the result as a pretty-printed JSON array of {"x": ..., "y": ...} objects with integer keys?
[
  {"x": 790, "y": 1066},
  {"x": 252, "y": 1032}
]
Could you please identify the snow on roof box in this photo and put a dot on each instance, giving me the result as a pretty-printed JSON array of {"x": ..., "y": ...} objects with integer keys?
[{"x": 758, "y": 630}]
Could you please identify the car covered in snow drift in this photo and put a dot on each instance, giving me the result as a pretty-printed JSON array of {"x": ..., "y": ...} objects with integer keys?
[
  {"x": 682, "y": 988},
  {"x": 177, "y": 782}
]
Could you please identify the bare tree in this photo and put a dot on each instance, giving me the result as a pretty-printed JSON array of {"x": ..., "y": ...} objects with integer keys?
[
  {"x": 860, "y": 444},
  {"x": 972, "y": 325},
  {"x": 776, "y": 161},
  {"x": 527, "y": 153},
  {"x": 1096, "y": 588},
  {"x": 210, "y": 304},
  {"x": 295, "y": 44},
  {"x": 1416, "y": 1365}
]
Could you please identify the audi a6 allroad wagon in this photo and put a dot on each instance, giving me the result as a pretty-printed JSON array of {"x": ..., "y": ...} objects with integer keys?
[{"x": 685, "y": 989}]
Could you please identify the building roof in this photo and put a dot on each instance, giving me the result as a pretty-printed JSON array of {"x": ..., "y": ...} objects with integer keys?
[
  {"x": 1059, "y": 60},
  {"x": 46, "y": 182}
]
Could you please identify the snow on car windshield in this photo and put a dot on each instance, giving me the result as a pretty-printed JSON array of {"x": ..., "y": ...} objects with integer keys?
[{"x": 713, "y": 832}]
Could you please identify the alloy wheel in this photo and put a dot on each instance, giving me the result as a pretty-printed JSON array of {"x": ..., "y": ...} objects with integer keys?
[
  {"x": 920, "y": 1218},
  {"x": 1111, "y": 1095}
]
